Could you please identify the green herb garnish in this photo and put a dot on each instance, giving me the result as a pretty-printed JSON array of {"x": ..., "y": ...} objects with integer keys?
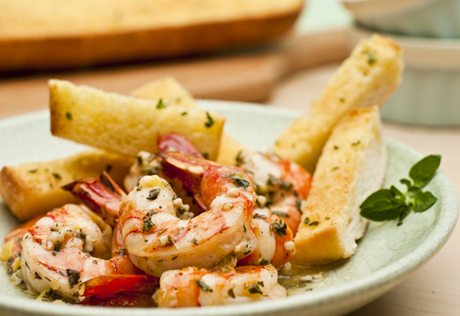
[
  {"x": 255, "y": 288},
  {"x": 153, "y": 194},
  {"x": 203, "y": 286},
  {"x": 161, "y": 105},
  {"x": 391, "y": 204},
  {"x": 210, "y": 121},
  {"x": 74, "y": 277}
]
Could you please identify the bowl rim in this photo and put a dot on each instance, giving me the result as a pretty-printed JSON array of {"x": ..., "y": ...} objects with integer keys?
[{"x": 367, "y": 9}]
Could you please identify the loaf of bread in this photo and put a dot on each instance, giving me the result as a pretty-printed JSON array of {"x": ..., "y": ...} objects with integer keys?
[
  {"x": 174, "y": 93},
  {"x": 31, "y": 189},
  {"x": 369, "y": 76},
  {"x": 351, "y": 167},
  {"x": 127, "y": 125},
  {"x": 44, "y": 34}
]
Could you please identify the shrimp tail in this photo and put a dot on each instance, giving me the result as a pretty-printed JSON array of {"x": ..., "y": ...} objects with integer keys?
[
  {"x": 116, "y": 283},
  {"x": 101, "y": 195},
  {"x": 177, "y": 142}
]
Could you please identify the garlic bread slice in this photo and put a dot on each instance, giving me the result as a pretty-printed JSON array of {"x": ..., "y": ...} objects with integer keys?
[
  {"x": 172, "y": 92},
  {"x": 351, "y": 167},
  {"x": 31, "y": 189},
  {"x": 127, "y": 125},
  {"x": 368, "y": 77}
]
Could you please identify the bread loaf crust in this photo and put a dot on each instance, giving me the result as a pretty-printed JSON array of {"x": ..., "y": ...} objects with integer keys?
[{"x": 103, "y": 45}]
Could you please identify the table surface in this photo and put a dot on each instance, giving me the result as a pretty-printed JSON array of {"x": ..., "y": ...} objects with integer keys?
[{"x": 434, "y": 289}]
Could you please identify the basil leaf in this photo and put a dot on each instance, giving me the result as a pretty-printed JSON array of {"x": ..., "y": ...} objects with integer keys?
[
  {"x": 423, "y": 201},
  {"x": 396, "y": 192},
  {"x": 384, "y": 210},
  {"x": 382, "y": 194},
  {"x": 424, "y": 170},
  {"x": 406, "y": 182}
]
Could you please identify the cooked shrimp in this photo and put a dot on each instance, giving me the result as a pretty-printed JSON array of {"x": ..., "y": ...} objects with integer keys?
[
  {"x": 152, "y": 164},
  {"x": 283, "y": 185},
  {"x": 63, "y": 249},
  {"x": 274, "y": 240},
  {"x": 199, "y": 287},
  {"x": 11, "y": 250},
  {"x": 157, "y": 234}
]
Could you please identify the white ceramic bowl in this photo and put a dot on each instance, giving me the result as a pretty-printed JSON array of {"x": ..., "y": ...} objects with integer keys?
[
  {"x": 429, "y": 94},
  {"x": 424, "y": 18},
  {"x": 386, "y": 255}
]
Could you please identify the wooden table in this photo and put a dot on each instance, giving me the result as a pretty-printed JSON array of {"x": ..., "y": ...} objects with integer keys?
[{"x": 434, "y": 289}]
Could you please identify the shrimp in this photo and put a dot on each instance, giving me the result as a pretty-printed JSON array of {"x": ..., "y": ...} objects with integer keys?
[
  {"x": 64, "y": 249},
  {"x": 199, "y": 287},
  {"x": 160, "y": 236},
  {"x": 282, "y": 185},
  {"x": 152, "y": 164},
  {"x": 274, "y": 238},
  {"x": 103, "y": 196}
]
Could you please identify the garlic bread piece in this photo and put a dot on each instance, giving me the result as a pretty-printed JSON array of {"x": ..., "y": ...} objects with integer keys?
[
  {"x": 166, "y": 89},
  {"x": 172, "y": 92},
  {"x": 351, "y": 167},
  {"x": 127, "y": 125},
  {"x": 31, "y": 189},
  {"x": 368, "y": 77}
]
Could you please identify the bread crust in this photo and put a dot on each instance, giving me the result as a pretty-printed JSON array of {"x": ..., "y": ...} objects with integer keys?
[
  {"x": 351, "y": 167},
  {"x": 184, "y": 37}
]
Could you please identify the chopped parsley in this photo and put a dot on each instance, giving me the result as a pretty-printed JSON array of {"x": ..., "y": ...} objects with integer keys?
[
  {"x": 74, "y": 277},
  {"x": 279, "y": 228},
  {"x": 148, "y": 224},
  {"x": 153, "y": 194},
  {"x": 203, "y": 286},
  {"x": 210, "y": 121},
  {"x": 161, "y": 105}
]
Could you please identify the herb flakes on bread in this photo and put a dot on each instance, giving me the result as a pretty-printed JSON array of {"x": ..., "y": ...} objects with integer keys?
[
  {"x": 32, "y": 189},
  {"x": 351, "y": 167},
  {"x": 127, "y": 125},
  {"x": 368, "y": 77}
]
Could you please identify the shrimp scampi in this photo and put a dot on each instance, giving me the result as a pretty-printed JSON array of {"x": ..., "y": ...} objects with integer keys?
[
  {"x": 199, "y": 287},
  {"x": 159, "y": 237}
]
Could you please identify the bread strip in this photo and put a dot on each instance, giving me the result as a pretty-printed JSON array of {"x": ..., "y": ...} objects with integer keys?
[
  {"x": 168, "y": 90},
  {"x": 351, "y": 167},
  {"x": 127, "y": 125},
  {"x": 32, "y": 189},
  {"x": 368, "y": 77},
  {"x": 171, "y": 91},
  {"x": 44, "y": 34}
]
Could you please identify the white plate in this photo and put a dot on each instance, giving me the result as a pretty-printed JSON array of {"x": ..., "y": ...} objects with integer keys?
[{"x": 385, "y": 256}]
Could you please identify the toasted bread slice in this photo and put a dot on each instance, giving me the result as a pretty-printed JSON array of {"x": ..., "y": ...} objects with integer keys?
[
  {"x": 44, "y": 34},
  {"x": 368, "y": 77},
  {"x": 127, "y": 125},
  {"x": 31, "y": 189},
  {"x": 169, "y": 90},
  {"x": 166, "y": 89},
  {"x": 351, "y": 167}
]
